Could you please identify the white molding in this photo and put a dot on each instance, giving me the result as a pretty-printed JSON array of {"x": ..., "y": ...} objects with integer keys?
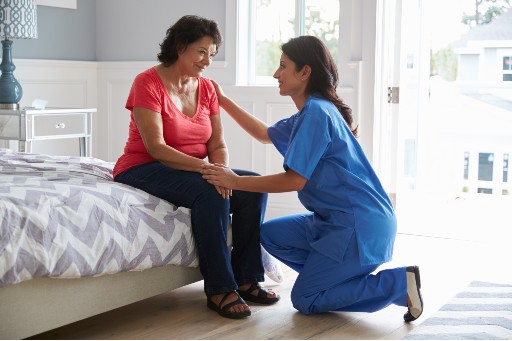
[
  {"x": 143, "y": 65},
  {"x": 71, "y": 4},
  {"x": 54, "y": 63}
]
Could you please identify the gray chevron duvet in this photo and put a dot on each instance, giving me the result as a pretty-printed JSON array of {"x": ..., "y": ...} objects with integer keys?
[{"x": 65, "y": 217}]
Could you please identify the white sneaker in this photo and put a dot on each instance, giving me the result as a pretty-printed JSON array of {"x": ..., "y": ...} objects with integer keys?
[
  {"x": 413, "y": 294},
  {"x": 272, "y": 266}
]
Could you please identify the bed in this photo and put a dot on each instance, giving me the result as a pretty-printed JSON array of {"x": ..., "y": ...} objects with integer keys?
[{"x": 74, "y": 244}]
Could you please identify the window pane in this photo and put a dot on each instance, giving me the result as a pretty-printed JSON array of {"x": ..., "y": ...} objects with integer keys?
[
  {"x": 507, "y": 77},
  {"x": 484, "y": 190},
  {"x": 274, "y": 26},
  {"x": 466, "y": 165},
  {"x": 322, "y": 21},
  {"x": 507, "y": 63},
  {"x": 505, "y": 167},
  {"x": 485, "y": 166}
]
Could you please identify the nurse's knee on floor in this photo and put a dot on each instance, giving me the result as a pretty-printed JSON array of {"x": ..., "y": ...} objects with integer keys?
[
  {"x": 302, "y": 307},
  {"x": 302, "y": 303}
]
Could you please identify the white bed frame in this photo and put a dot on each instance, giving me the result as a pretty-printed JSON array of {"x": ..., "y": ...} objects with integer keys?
[{"x": 42, "y": 304}]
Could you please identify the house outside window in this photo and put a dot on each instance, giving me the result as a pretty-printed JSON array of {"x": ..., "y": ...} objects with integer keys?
[
  {"x": 272, "y": 23},
  {"x": 486, "y": 172}
]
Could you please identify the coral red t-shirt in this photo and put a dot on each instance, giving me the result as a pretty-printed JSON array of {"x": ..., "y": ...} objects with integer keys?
[{"x": 186, "y": 134}]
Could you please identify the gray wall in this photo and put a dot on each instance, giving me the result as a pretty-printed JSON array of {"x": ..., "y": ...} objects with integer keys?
[
  {"x": 112, "y": 30},
  {"x": 131, "y": 30},
  {"x": 63, "y": 33}
]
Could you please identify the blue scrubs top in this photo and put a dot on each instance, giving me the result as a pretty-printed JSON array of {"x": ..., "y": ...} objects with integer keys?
[{"x": 342, "y": 190}]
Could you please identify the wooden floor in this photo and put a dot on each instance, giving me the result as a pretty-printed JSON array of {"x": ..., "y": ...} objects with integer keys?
[{"x": 446, "y": 265}]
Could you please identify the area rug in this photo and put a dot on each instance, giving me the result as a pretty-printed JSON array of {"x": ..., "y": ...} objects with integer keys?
[{"x": 483, "y": 311}]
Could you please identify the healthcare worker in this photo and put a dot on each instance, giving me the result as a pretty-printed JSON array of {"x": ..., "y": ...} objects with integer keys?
[{"x": 350, "y": 228}]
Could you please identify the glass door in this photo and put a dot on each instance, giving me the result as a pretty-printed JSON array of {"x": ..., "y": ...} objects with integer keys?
[
  {"x": 402, "y": 81},
  {"x": 447, "y": 119}
]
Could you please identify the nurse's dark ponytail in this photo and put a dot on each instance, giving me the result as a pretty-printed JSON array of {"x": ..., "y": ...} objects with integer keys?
[{"x": 311, "y": 51}]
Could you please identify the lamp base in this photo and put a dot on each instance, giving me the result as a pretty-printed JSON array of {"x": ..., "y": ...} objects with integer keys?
[
  {"x": 9, "y": 106},
  {"x": 10, "y": 89}
]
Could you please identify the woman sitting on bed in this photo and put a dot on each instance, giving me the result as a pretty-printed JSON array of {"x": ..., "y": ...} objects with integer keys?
[{"x": 174, "y": 126}]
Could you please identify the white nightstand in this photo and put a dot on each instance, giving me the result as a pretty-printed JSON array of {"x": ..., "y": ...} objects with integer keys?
[{"x": 30, "y": 125}]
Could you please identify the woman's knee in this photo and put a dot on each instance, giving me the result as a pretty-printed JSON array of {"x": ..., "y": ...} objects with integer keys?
[{"x": 209, "y": 199}]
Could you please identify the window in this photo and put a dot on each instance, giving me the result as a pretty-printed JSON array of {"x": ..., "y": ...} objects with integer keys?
[
  {"x": 272, "y": 23},
  {"x": 507, "y": 68},
  {"x": 505, "y": 167},
  {"x": 485, "y": 166},
  {"x": 484, "y": 190},
  {"x": 466, "y": 165}
]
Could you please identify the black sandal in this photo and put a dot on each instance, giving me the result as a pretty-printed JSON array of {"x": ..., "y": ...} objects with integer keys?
[
  {"x": 224, "y": 310},
  {"x": 261, "y": 298}
]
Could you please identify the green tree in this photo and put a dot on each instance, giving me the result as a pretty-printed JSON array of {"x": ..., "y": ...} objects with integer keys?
[
  {"x": 326, "y": 31},
  {"x": 268, "y": 52},
  {"x": 444, "y": 63},
  {"x": 485, "y": 12}
]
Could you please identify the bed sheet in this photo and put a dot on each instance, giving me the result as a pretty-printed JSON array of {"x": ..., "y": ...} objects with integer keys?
[{"x": 65, "y": 217}]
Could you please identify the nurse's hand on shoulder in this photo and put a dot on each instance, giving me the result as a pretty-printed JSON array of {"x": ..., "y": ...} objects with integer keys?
[
  {"x": 219, "y": 91},
  {"x": 219, "y": 175}
]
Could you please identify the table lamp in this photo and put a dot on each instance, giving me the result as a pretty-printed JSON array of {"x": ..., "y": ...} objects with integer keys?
[{"x": 18, "y": 19}]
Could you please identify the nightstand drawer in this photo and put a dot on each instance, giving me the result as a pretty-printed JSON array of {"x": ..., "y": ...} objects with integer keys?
[
  {"x": 48, "y": 127},
  {"x": 59, "y": 125}
]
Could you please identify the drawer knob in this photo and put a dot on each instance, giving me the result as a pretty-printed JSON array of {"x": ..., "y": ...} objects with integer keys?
[{"x": 60, "y": 125}]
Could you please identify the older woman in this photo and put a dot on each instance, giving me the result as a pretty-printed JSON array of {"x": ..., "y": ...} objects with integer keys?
[{"x": 175, "y": 129}]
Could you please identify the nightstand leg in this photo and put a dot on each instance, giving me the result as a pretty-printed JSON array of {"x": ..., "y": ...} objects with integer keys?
[
  {"x": 25, "y": 146},
  {"x": 84, "y": 146}
]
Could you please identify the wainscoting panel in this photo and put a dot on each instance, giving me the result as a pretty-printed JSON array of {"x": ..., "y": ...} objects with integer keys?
[
  {"x": 114, "y": 82},
  {"x": 64, "y": 84},
  {"x": 241, "y": 145},
  {"x": 118, "y": 118}
]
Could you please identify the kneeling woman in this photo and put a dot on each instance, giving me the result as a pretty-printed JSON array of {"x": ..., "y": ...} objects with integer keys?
[{"x": 351, "y": 228}]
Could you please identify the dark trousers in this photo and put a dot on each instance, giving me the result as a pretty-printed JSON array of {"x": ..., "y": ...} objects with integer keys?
[{"x": 222, "y": 269}]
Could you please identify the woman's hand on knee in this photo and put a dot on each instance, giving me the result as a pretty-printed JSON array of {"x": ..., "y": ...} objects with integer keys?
[
  {"x": 224, "y": 192},
  {"x": 219, "y": 175}
]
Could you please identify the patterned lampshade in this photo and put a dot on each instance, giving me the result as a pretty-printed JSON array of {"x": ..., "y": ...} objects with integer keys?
[{"x": 18, "y": 19}]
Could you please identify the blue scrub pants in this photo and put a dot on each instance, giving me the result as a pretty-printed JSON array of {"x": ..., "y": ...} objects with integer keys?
[
  {"x": 324, "y": 284},
  {"x": 222, "y": 269}
]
